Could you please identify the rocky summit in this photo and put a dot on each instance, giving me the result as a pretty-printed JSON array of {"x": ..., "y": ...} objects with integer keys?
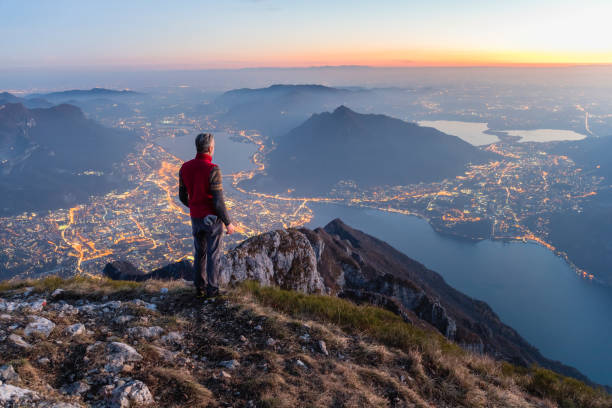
[
  {"x": 325, "y": 317},
  {"x": 341, "y": 261}
]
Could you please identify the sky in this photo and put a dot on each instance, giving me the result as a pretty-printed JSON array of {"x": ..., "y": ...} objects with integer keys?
[{"x": 192, "y": 34}]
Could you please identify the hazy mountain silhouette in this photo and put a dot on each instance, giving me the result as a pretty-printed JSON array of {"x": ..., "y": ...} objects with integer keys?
[
  {"x": 279, "y": 108},
  {"x": 370, "y": 150},
  {"x": 44, "y": 153},
  {"x": 6, "y": 97},
  {"x": 83, "y": 93}
]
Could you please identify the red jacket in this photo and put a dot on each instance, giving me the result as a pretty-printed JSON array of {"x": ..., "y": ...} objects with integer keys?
[{"x": 195, "y": 176}]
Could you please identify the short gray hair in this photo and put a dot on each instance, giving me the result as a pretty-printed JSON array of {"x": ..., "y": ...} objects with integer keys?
[{"x": 203, "y": 142}]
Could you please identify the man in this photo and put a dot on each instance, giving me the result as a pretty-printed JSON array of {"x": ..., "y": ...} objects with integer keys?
[{"x": 201, "y": 190}]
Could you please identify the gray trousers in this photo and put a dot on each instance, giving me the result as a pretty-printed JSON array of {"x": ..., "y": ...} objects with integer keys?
[{"x": 207, "y": 234}]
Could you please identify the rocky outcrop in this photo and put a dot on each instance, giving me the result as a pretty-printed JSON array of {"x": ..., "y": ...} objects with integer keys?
[
  {"x": 123, "y": 270},
  {"x": 342, "y": 261},
  {"x": 282, "y": 258}
]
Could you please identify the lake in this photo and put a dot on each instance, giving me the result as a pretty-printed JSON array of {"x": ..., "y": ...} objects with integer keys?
[
  {"x": 545, "y": 135},
  {"x": 230, "y": 155},
  {"x": 530, "y": 288},
  {"x": 471, "y": 132}
]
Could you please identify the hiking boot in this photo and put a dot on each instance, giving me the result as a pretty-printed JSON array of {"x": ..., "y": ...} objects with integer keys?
[{"x": 212, "y": 292}]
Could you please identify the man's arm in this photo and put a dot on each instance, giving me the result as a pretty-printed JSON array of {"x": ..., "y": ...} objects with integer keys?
[
  {"x": 183, "y": 196},
  {"x": 216, "y": 189}
]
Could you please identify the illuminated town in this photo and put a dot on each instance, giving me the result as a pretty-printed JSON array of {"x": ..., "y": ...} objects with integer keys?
[{"x": 146, "y": 225}]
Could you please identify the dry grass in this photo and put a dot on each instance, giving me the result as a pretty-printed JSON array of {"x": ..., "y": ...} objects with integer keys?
[
  {"x": 381, "y": 325},
  {"x": 178, "y": 388},
  {"x": 376, "y": 359},
  {"x": 93, "y": 287},
  {"x": 441, "y": 371}
]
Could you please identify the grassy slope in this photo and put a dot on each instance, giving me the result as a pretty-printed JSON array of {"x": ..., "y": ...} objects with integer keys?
[{"x": 375, "y": 359}]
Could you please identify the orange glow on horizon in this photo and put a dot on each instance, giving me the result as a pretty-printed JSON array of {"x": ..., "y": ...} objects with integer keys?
[{"x": 383, "y": 58}]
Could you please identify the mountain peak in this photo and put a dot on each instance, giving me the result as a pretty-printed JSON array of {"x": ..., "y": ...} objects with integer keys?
[{"x": 342, "y": 110}]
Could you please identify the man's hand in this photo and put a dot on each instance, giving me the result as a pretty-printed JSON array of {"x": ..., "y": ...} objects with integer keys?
[{"x": 230, "y": 228}]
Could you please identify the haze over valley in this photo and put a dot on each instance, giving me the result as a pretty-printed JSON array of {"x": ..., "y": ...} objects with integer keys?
[{"x": 426, "y": 180}]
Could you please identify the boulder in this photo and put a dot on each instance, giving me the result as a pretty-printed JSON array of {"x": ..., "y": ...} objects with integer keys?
[
  {"x": 39, "y": 326},
  {"x": 283, "y": 258},
  {"x": 122, "y": 270},
  {"x": 132, "y": 394},
  {"x": 15, "y": 396}
]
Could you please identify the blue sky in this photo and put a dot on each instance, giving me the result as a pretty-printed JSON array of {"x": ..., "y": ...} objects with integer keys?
[{"x": 242, "y": 33}]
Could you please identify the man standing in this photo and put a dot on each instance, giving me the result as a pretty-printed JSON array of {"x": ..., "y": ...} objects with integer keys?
[{"x": 201, "y": 190}]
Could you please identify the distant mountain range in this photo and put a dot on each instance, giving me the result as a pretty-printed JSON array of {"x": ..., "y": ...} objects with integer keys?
[
  {"x": 6, "y": 97},
  {"x": 279, "y": 108},
  {"x": 55, "y": 157},
  {"x": 82, "y": 93},
  {"x": 370, "y": 150}
]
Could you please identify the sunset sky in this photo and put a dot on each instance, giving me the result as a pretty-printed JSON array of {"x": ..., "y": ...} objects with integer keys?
[{"x": 258, "y": 33}]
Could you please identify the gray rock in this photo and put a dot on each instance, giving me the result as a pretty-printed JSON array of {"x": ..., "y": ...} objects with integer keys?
[
  {"x": 282, "y": 258},
  {"x": 270, "y": 342},
  {"x": 8, "y": 373},
  {"x": 35, "y": 306},
  {"x": 75, "y": 329},
  {"x": 76, "y": 388},
  {"x": 6, "y": 306},
  {"x": 145, "y": 332},
  {"x": 39, "y": 326},
  {"x": 57, "y": 292},
  {"x": 15, "y": 396},
  {"x": 123, "y": 319},
  {"x": 132, "y": 394},
  {"x": 172, "y": 338},
  {"x": 323, "y": 347},
  {"x": 300, "y": 364},
  {"x": 140, "y": 302},
  {"x": 113, "y": 305},
  {"x": 19, "y": 341},
  {"x": 63, "y": 308},
  {"x": 229, "y": 364},
  {"x": 119, "y": 354},
  {"x": 162, "y": 353}
]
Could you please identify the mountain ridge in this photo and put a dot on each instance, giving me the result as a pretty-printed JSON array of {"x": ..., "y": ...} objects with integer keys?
[
  {"x": 48, "y": 149},
  {"x": 368, "y": 149},
  {"x": 278, "y": 108},
  {"x": 338, "y": 260}
]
